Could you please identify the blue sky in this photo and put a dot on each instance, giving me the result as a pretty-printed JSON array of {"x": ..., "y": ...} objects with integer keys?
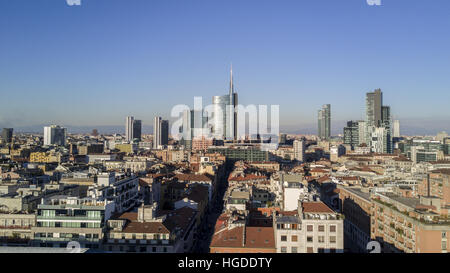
[{"x": 93, "y": 64}]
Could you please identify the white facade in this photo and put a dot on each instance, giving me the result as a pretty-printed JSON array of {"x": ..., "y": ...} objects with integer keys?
[
  {"x": 129, "y": 128},
  {"x": 396, "y": 129},
  {"x": 55, "y": 135},
  {"x": 299, "y": 150}
]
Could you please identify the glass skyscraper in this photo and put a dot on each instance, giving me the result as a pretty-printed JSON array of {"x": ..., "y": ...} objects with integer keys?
[{"x": 324, "y": 122}]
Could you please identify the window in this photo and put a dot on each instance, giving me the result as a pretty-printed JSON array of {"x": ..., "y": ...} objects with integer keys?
[
  {"x": 321, "y": 250},
  {"x": 333, "y": 228},
  {"x": 444, "y": 245},
  {"x": 321, "y": 228},
  {"x": 309, "y": 239},
  {"x": 294, "y": 238},
  {"x": 332, "y": 239},
  {"x": 283, "y": 249},
  {"x": 309, "y": 250},
  {"x": 321, "y": 239},
  {"x": 294, "y": 249},
  {"x": 143, "y": 249},
  {"x": 332, "y": 250},
  {"x": 309, "y": 228},
  {"x": 444, "y": 234},
  {"x": 134, "y": 236},
  {"x": 283, "y": 238}
]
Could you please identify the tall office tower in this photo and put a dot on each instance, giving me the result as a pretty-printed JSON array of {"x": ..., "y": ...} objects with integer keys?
[
  {"x": 156, "y": 132},
  {"x": 225, "y": 114},
  {"x": 374, "y": 103},
  {"x": 164, "y": 132},
  {"x": 351, "y": 133},
  {"x": 283, "y": 139},
  {"x": 137, "y": 129},
  {"x": 299, "y": 150},
  {"x": 160, "y": 132},
  {"x": 129, "y": 128},
  {"x": 7, "y": 135},
  {"x": 378, "y": 117},
  {"x": 324, "y": 122},
  {"x": 396, "y": 129},
  {"x": 362, "y": 131},
  {"x": 55, "y": 135},
  {"x": 194, "y": 127}
]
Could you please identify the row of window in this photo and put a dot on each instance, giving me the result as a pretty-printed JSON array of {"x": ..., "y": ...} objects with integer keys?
[
  {"x": 137, "y": 249},
  {"x": 143, "y": 237},
  {"x": 68, "y": 224},
  {"x": 67, "y": 235},
  {"x": 309, "y": 239},
  {"x": 294, "y": 249},
  {"x": 309, "y": 228}
]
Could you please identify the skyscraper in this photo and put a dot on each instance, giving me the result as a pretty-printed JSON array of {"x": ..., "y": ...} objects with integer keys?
[
  {"x": 378, "y": 123},
  {"x": 7, "y": 135},
  {"x": 351, "y": 133},
  {"x": 374, "y": 103},
  {"x": 55, "y": 135},
  {"x": 396, "y": 129},
  {"x": 224, "y": 114},
  {"x": 129, "y": 128},
  {"x": 160, "y": 132},
  {"x": 324, "y": 122},
  {"x": 137, "y": 129}
]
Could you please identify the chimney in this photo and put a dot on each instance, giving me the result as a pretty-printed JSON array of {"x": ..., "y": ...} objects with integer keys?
[
  {"x": 147, "y": 213},
  {"x": 300, "y": 208}
]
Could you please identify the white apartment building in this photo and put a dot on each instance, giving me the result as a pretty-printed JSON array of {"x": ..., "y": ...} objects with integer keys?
[{"x": 313, "y": 228}]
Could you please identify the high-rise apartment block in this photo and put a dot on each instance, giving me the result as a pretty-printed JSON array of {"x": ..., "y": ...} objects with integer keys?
[{"x": 299, "y": 150}]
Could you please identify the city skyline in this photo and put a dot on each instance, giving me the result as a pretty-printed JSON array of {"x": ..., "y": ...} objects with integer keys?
[{"x": 299, "y": 66}]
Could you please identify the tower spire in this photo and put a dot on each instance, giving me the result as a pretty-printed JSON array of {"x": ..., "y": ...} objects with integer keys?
[{"x": 231, "y": 80}]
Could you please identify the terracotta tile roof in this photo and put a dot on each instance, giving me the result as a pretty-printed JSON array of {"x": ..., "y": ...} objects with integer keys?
[
  {"x": 246, "y": 177},
  {"x": 323, "y": 179},
  {"x": 228, "y": 238},
  {"x": 442, "y": 171},
  {"x": 194, "y": 177},
  {"x": 259, "y": 237},
  {"x": 316, "y": 207},
  {"x": 176, "y": 218},
  {"x": 319, "y": 170}
]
